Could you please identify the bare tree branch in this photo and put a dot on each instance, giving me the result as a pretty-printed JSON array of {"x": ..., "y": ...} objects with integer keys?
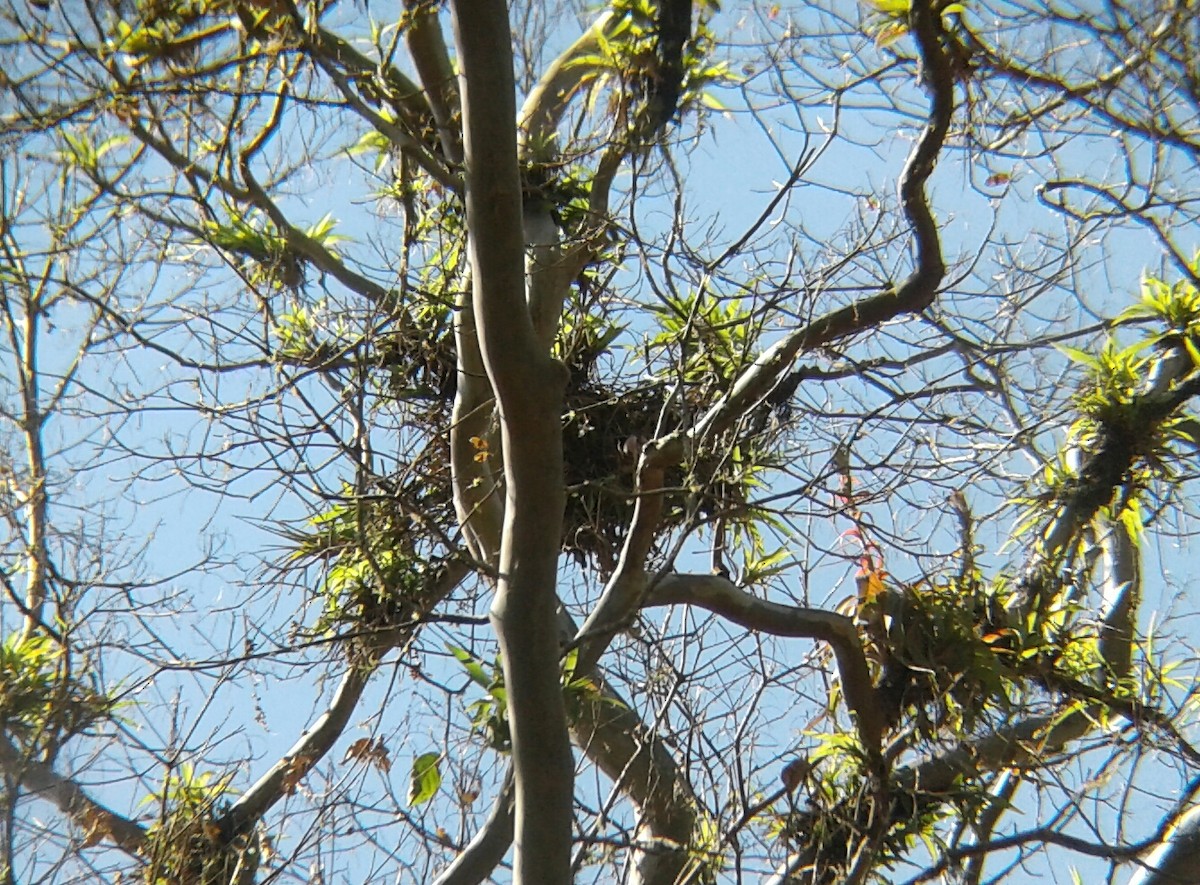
[
  {"x": 721, "y": 596},
  {"x": 93, "y": 818},
  {"x": 432, "y": 60},
  {"x": 488, "y": 846}
]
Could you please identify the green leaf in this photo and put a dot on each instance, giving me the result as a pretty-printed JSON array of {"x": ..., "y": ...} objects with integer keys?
[
  {"x": 1075, "y": 355},
  {"x": 1131, "y": 519},
  {"x": 769, "y": 565},
  {"x": 81, "y": 151},
  {"x": 1187, "y": 429},
  {"x": 471, "y": 664},
  {"x": 890, "y": 7},
  {"x": 370, "y": 141},
  {"x": 323, "y": 233},
  {"x": 570, "y": 659},
  {"x": 109, "y": 143},
  {"x": 1193, "y": 351},
  {"x": 425, "y": 778}
]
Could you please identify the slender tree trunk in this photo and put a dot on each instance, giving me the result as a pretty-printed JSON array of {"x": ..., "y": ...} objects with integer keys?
[{"x": 528, "y": 385}]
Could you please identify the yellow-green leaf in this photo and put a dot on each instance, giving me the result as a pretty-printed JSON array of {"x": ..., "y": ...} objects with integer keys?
[{"x": 425, "y": 778}]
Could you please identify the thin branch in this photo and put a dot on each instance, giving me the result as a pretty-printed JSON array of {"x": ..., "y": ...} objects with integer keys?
[{"x": 488, "y": 846}]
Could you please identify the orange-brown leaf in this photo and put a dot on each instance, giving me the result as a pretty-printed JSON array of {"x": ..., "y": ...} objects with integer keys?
[
  {"x": 373, "y": 752},
  {"x": 96, "y": 826},
  {"x": 297, "y": 767},
  {"x": 794, "y": 774}
]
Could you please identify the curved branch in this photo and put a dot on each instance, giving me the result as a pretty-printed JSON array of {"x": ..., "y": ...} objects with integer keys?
[
  {"x": 89, "y": 815},
  {"x": 1174, "y": 861},
  {"x": 474, "y": 443},
  {"x": 554, "y": 265},
  {"x": 624, "y": 590},
  {"x": 427, "y": 47},
  {"x": 281, "y": 779},
  {"x": 720, "y": 596},
  {"x": 913, "y": 295},
  {"x": 551, "y": 95},
  {"x": 488, "y": 846},
  {"x": 317, "y": 740}
]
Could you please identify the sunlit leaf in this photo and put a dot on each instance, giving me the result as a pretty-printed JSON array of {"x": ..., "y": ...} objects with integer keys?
[
  {"x": 890, "y": 7},
  {"x": 471, "y": 664},
  {"x": 425, "y": 778},
  {"x": 372, "y": 751}
]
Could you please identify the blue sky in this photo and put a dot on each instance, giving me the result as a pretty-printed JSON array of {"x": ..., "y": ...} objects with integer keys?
[{"x": 732, "y": 170}]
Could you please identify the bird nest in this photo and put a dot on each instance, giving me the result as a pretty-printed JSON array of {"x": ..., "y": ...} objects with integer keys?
[{"x": 604, "y": 426}]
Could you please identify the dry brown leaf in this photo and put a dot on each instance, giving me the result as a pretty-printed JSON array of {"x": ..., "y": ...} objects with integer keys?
[
  {"x": 794, "y": 774},
  {"x": 96, "y": 826},
  {"x": 371, "y": 751},
  {"x": 297, "y": 767}
]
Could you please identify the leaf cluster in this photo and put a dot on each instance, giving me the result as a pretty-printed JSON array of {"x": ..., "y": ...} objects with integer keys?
[
  {"x": 1116, "y": 416},
  {"x": 186, "y": 845},
  {"x": 489, "y": 715},
  {"x": 374, "y": 574},
  {"x": 269, "y": 258},
  {"x": 847, "y": 807},
  {"x": 173, "y": 32},
  {"x": 38, "y": 695},
  {"x": 948, "y": 655},
  {"x": 668, "y": 72}
]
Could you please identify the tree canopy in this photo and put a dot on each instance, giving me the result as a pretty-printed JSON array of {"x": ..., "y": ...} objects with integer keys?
[{"x": 645, "y": 441}]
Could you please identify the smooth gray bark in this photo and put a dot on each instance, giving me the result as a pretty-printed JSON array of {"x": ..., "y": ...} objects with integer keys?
[
  {"x": 528, "y": 385},
  {"x": 1177, "y": 860},
  {"x": 92, "y": 817}
]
